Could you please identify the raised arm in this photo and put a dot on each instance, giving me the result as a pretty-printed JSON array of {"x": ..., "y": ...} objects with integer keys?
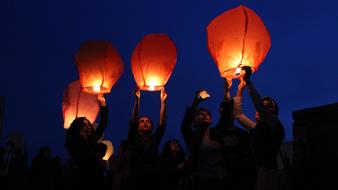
[
  {"x": 163, "y": 117},
  {"x": 135, "y": 114},
  {"x": 227, "y": 88},
  {"x": 136, "y": 107},
  {"x": 163, "y": 110},
  {"x": 103, "y": 116},
  {"x": 265, "y": 115},
  {"x": 226, "y": 107},
  {"x": 186, "y": 129},
  {"x": 238, "y": 111}
]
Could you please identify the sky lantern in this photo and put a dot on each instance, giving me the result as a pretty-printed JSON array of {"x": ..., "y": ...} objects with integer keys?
[
  {"x": 153, "y": 61},
  {"x": 236, "y": 38},
  {"x": 99, "y": 65},
  {"x": 110, "y": 149},
  {"x": 78, "y": 103}
]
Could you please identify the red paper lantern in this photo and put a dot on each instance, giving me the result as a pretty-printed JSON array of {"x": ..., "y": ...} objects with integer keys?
[
  {"x": 153, "y": 61},
  {"x": 237, "y": 38},
  {"x": 77, "y": 103},
  {"x": 99, "y": 65}
]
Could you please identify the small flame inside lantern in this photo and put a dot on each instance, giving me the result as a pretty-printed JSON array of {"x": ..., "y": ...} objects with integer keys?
[
  {"x": 96, "y": 88},
  {"x": 152, "y": 83},
  {"x": 238, "y": 71}
]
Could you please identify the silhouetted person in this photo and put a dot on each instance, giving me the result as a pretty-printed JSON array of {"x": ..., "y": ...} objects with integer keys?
[
  {"x": 206, "y": 148},
  {"x": 70, "y": 177},
  {"x": 172, "y": 164},
  {"x": 43, "y": 172},
  {"x": 12, "y": 167},
  {"x": 144, "y": 145},
  {"x": 81, "y": 143},
  {"x": 105, "y": 168},
  {"x": 267, "y": 133},
  {"x": 238, "y": 156},
  {"x": 121, "y": 166}
]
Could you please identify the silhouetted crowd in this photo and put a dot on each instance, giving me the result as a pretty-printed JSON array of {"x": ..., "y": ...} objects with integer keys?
[{"x": 222, "y": 156}]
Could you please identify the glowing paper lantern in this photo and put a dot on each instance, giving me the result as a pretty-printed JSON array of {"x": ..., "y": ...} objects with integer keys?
[
  {"x": 237, "y": 38},
  {"x": 153, "y": 61},
  {"x": 110, "y": 149},
  {"x": 99, "y": 65},
  {"x": 77, "y": 103}
]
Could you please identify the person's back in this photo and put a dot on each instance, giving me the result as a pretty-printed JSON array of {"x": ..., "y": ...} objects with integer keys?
[{"x": 266, "y": 144}]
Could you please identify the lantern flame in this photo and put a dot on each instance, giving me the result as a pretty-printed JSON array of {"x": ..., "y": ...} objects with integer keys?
[
  {"x": 151, "y": 88},
  {"x": 96, "y": 88},
  {"x": 152, "y": 83},
  {"x": 238, "y": 71}
]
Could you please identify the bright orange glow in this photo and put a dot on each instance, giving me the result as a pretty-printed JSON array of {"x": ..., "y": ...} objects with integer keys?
[
  {"x": 153, "y": 61},
  {"x": 204, "y": 94},
  {"x": 237, "y": 37},
  {"x": 96, "y": 89},
  {"x": 99, "y": 65},
  {"x": 153, "y": 82},
  {"x": 77, "y": 103},
  {"x": 110, "y": 149},
  {"x": 238, "y": 71}
]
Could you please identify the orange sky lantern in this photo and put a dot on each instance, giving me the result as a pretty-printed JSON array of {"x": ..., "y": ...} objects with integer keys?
[
  {"x": 99, "y": 65},
  {"x": 153, "y": 61},
  {"x": 77, "y": 103},
  {"x": 236, "y": 38}
]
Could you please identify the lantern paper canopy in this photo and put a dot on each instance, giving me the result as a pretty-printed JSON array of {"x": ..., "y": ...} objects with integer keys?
[
  {"x": 99, "y": 65},
  {"x": 153, "y": 61},
  {"x": 237, "y": 38},
  {"x": 77, "y": 103},
  {"x": 110, "y": 149}
]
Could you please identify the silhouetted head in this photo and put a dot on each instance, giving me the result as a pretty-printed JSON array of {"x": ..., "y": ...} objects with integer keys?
[
  {"x": 202, "y": 117},
  {"x": 80, "y": 131},
  {"x": 271, "y": 105},
  {"x": 10, "y": 146},
  {"x": 81, "y": 126},
  {"x": 171, "y": 147},
  {"x": 144, "y": 124},
  {"x": 45, "y": 152},
  {"x": 174, "y": 145}
]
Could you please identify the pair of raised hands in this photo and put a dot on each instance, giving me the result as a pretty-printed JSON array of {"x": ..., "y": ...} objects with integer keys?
[
  {"x": 164, "y": 95},
  {"x": 244, "y": 79}
]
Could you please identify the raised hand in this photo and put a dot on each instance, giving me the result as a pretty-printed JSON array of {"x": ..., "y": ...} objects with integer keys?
[
  {"x": 227, "y": 88},
  {"x": 101, "y": 99},
  {"x": 137, "y": 93},
  {"x": 164, "y": 95},
  {"x": 200, "y": 96},
  {"x": 242, "y": 83},
  {"x": 247, "y": 74}
]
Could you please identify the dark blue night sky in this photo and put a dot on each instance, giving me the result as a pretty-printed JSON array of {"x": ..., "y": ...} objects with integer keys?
[{"x": 40, "y": 37}]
